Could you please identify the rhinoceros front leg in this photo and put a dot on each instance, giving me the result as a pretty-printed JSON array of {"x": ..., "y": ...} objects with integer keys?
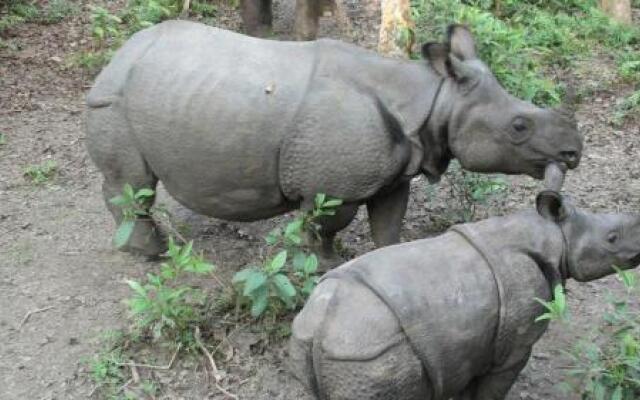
[
  {"x": 386, "y": 212},
  {"x": 493, "y": 385},
  {"x": 307, "y": 17},
  {"x": 330, "y": 225}
]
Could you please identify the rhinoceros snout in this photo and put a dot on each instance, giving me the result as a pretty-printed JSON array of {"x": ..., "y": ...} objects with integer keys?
[{"x": 570, "y": 157}]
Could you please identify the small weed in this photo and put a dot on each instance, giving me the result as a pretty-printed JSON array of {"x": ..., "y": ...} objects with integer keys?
[
  {"x": 105, "y": 368},
  {"x": 27, "y": 11},
  {"x": 57, "y": 10},
  {"x": 628, "y": 107},
  {"x": 556, "y": 309},
  {"x": 203, "y": 9},
  {"x": 470, "y": 189},
  {"x": 105, "y": 26},
  {"x": 42, "y": 173},
  {"x": 605, "y": 366},
  {"x": 134, "y": 204},
  {"x": 286, "y": 279},
  {"x": 3, "y": 139},
  {"x": 92, "y": 61},
  {"x": 161, "y": 305}
]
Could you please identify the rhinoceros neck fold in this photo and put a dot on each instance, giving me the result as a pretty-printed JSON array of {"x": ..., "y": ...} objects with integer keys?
[
  {"x": 525, "y": 233},
  {"x": 408, "y": 89}
]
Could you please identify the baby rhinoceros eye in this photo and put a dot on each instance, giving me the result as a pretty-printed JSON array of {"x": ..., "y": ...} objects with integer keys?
[
  {"x": 612, "y": 237},
  {"x": 521, "y": 129}
]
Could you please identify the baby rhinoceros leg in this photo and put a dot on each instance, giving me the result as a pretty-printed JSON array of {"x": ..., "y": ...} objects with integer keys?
[
  {"x": 354, "y": 350},
  {"x": 114, "y": 152},
  {"x": 495, "y": 384}
]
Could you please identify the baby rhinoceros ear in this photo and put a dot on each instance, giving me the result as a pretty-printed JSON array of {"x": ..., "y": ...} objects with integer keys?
[
  {"x": 437, "y": 54},
  {"x": 461, "y": 42},
  {"x": 550, "y": 206}
]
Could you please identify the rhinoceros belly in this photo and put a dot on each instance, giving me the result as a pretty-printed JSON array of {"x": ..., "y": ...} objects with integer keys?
[{"x": 209, "y": 110}]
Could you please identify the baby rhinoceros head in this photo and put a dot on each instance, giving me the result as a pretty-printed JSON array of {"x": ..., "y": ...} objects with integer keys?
[
  {"x": 594, "y": 243},
  {"x": 488, "y": 129}
]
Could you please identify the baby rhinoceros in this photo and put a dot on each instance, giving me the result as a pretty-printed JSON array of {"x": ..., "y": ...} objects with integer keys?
[{"x": 451, "y": 316}]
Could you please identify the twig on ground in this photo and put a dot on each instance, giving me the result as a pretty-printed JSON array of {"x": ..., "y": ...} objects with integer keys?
[
  {"x": 123, "y": 387},
  {"x": 135, "y": 375},
  {"x": 148, "y": 366},
  {"x": 214, "y": 368},
  {"x": 30, "y": 313}
]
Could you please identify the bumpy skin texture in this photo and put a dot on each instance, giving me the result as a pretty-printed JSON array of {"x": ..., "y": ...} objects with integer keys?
[
  {"x": 243, "y": 129},
  {"x": 454, "y": 314}
]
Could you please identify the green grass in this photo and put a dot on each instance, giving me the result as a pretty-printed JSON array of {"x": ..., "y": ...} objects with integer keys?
[
  {"x": 57, "y": 11},
  {"x": 41, "y": 173},
  {"x": 525, "y": 42}
]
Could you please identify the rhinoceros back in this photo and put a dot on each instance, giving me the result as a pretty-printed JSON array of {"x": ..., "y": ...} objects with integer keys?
[
  {"x": 446, "y": 302},
  {"x": 208, "y": 110}
]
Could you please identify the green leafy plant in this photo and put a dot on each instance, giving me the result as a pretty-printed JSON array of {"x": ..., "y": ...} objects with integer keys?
[
  {"x": 164, "y": 307},
  {"x": 204, "y": 9},
  {"x": 524, "y": 41},
  {"x": 607, "y": 365},
  {"x": 92, "y": 61},
  {"x": 283, "y": 281},
  {"x": 629, "y": 106},
  {"x": 134, "y": 204},
  {"x": 469, "y": 190},
  {"x": 57, "y": 10},
  {"x": 42, "y": 173},
  {"x": 556, "y": 309},
  {"x": 105, "y": 367},
  {"x": 104, "y": 25},
  {"x": 3, "y": 139}
]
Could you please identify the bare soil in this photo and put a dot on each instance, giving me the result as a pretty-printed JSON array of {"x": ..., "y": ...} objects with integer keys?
[{"x": 56, "y": 255}]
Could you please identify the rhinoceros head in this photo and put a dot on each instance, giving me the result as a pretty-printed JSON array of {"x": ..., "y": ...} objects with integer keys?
[
  {"x": 488, "y": 129},
  {"x": 594, "y": 243}
]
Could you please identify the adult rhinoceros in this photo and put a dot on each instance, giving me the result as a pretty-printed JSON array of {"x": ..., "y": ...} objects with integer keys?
[
  {"x": 451, "y": 317},
  {"x": 242, "y": 129}
]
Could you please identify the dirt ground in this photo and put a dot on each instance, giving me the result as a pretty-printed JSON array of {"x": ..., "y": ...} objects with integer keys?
[{"x": 56, "y": 254}]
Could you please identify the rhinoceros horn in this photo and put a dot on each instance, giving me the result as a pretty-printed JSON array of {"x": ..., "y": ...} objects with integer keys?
[
  {"x": 568, "y": 106},
  {"x": 554, "y": 176},
  {"x": 549, "y": 200}
]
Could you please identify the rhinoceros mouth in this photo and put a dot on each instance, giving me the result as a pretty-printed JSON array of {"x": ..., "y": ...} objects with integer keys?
[{"x": 634, "y": 261}]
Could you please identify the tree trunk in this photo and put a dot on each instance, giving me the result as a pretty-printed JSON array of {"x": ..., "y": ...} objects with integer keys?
[
  {"x": 396, "y": 28},
  {"x": 620, "y": 10}
]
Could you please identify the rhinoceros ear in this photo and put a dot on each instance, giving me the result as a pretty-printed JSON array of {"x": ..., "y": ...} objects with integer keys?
[
  {"x": 550, "y": 206},
  {"x": 437, "y": 54},
  {"x": 461, "y": 42}
]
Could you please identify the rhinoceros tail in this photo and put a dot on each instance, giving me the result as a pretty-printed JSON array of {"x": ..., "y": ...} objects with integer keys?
[
  {"x": 317, "y": 352},
  {"x": 309, "y": 328},
  {"x": 110, "y": 83}
]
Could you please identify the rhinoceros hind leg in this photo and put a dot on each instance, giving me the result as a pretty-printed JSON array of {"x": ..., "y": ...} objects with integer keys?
[
  {"x": 494, "y": 385},
  {"x": 397, "y": 371},
  {"x": 115, "y": 154},
  {"x": 257, "y": 17}
]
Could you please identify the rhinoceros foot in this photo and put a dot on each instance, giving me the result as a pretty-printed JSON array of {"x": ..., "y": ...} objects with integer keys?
[{"x": 146, "y": 240}]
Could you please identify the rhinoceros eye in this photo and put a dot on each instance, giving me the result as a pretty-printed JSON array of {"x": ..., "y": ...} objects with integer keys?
[
  {"x": 521, "y": 129},
  {"x": 612, "y": 237}
]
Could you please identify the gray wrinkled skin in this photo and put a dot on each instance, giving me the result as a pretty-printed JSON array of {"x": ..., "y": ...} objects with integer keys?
[
  {"x": 257, "y": 17},
  {"x": 242, "y": 129},
  {"x": 451, "y": 316}
]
